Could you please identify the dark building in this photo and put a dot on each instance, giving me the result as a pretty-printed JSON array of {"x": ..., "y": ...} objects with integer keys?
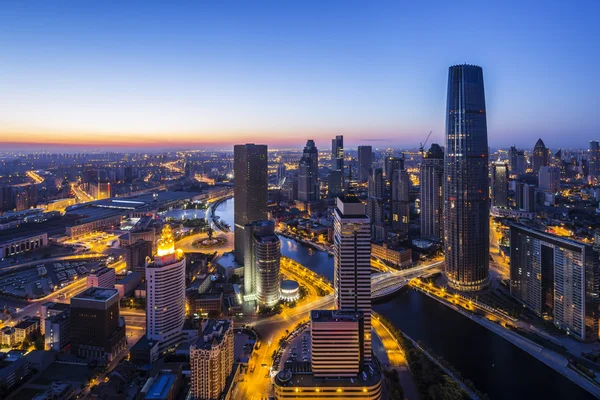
[
  {"x": 337, "y": 153},
  {"x": 432, "y": 200},
  {"x": 400, "y": 185},
  {"x": 308, "y": 173},
  {"x": 594, "y": 161},
  {"x": 375, "y": 202},
  {"x": 392, "y": 164},
  {"x": 335, "y": 184},
  {"x": 251, "y": 195},
  {"x": 135, "y": 256},
  {"x": 500, "y": 184},
  {"x": 365, "y": 161},
  {"x": 466, "y": 198},
  {"x": 517, "y": 162},
  {"x": 97, "y": 331},
  {"x": 525, "y": 197},
  {"x": 540, "y": 156}
]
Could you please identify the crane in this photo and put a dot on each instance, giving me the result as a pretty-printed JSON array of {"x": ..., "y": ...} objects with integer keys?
[{"x": 422, "y": 148}]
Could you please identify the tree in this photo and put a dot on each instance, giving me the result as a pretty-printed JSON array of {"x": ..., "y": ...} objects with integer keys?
[{"x": 40, "y": 343}]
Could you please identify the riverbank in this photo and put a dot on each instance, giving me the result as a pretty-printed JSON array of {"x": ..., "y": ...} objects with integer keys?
[{"x": 550, "y": 358}]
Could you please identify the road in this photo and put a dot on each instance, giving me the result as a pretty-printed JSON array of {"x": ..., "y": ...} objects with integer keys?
[
  {"x": 82, "y": 197},
  {"x": 499, "y": 265}
]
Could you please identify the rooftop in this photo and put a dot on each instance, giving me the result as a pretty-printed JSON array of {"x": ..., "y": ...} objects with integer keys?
[
  {"x": 161, "y": 386},
  {"x": 96, "y": 293},
  {"x": 369, "y": 377},
  {"x": 334, "y": 315},
  {"x": 212, "y": 329}
]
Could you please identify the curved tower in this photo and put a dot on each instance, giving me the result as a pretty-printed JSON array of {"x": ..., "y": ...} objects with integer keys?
[
  {"x": 466, "y": 196},
  {"x": 267, "y": 258}
]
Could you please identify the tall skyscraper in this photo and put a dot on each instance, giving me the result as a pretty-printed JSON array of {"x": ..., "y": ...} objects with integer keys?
[
  {"x": 594, "y": 161},
  {"x": 96, "y": 329},
  {"x": 466, "y": 198},
  {"x": 365, "y": 161},
  {"x": 525, "y": 197},
  {"x": 432, "y": 199},
  {"x": 251, "y": 195},
  {"x": 558, "y": 277},
  {"x": 400, "y": 185},
  {"x": 352, "y": 263},
  {"x": 540, "y": 156},
  {"x": 500, "y": 184},
  {"x": 211, "y": 359},
  {"x": 308, "y": 173},
  {"x": 335, "y": 183},
  {"x": 165, "y": 293},
  {"x": 392, "y": 164},
  {"x": 337, "y": 153},
  {"x": 375, "y": 202},
  {"x": 261, "y": 266}
]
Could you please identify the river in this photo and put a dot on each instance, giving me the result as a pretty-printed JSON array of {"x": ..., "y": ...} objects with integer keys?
[{"x": 497, "y": 367}]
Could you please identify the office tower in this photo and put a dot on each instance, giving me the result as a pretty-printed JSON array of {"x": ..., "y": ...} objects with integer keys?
[
  {"x": 104, "y": 190},
  {"x": 558, "y": 277},
  {"x": 540, "y": 156},
  {"x": 352, "y": 263},
  {"x": 6, "y": 198},
  {"x": 211, "y": 359},
  {"x": 512, "y": 159},
  {"x": 521, "y": 163},
  {"x": 335, "y": 184},
  {"x": 165, "y": 292},
  {"x": 594, "y": 161},
  {"x": 102, "y": 277},
  {"x": 97, "y": 331},
  {"x": 400, "y": 185},
  {"x": 336, "y": 343},
  {"x": 308, "y": 173},
  {"x": 392, "y": 164},
  {"x": 525, "y": 195},
  {"x": 136, "y": 254},
  {"x": 549, "y": 179},
  {"x": 365, "y": 161},
  {"x": 500, "y": 184},
  {"x": 57, "y": 330},
  {"x": 466, "y": 198},
  {"x": 128, "y": 174},
  {"x": 375, "y": 201},
  {"x": 261, "y": 266},
  {"x": 337, "y": 153},
  {"x": 431, "y": 179},
  {"x": 250, "y": 200}
]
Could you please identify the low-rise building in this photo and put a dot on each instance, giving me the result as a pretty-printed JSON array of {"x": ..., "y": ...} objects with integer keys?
[
  {"x": 7, "y": 336},
  {"x": 396, "y": 256},
  {"x": 26, "y": 327},
  {"x": 102, "y": 277},
  {"x": 204, "y": 303},
  {"x": 127, "y": 284},
  {"x": 16, "y": 245}
]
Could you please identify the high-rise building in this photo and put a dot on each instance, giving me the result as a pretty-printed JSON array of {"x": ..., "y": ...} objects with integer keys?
[
  {"x": 375, "y": 202},
  {"x": 500, "y": 184},
  {"x": 540, "y": 156},
  {"x": 335, "y": 184},
  {"x": 392, "y": 164},
  {"x": 165, "y": 293},
  {"x": 466, "y": 197},
  {"x": 251, "y": 196},
  {"x": 400, "y": 185},
  {"x": 549, "y": 179},
  {"x": 336, "y": 343},
  {"x": 352, "y": 263},
  {"x": 211, "y": 359},
  {"x": 431, "y": 179},
  {"x": 104, "y": 190},
  {"x": 261, "y": 266},
  {"x": 365, "y": 161},
  {"x": 97, "y": 331},
  {"x": 525, "y": 197},
  {"x": 337, "y": 153},
  {"x": 136, "y": 254},
  {"x": 102, "y": 277},
  {"x": 594, "y": 161},
  {"x": 308, "y": 173},
  {"x": 557, "y": 277}
]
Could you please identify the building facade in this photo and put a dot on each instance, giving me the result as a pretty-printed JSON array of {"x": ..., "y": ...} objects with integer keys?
[
  {"x": 250, "y": 200},
  {"x": 431, "y": 179},
  {"x": 540, "y": 156},
  {"x": 466, "y": 198},
  {"x": 262, "y": 264},
  {"x": 308, "y": 173},
  {"x": 352, "y": 263},
  {"x": 365, "y": 162},
  {"x": 400, "y": 200},
  {"x": 102, "y": 277}
]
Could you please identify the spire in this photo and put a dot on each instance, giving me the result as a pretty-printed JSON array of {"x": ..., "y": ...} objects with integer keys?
[{"x": 166, "y": 242}]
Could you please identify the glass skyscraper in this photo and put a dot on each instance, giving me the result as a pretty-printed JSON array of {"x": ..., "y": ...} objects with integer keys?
[{"x": 466, "y": 197}]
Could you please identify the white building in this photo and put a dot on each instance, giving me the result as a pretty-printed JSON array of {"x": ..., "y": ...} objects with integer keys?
[
  {"x": 352, "y": 263},
  {"x": 165, "y": 293}
]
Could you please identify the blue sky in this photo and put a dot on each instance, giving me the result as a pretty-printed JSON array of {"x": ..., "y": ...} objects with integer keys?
[{"x": 208, "y": 72}]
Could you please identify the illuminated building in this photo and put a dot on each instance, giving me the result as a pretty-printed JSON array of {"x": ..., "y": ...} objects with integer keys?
[
  {"x": 431, "y": 178},
  {"x": 289, "y": 290},
  {"x": 466, "y": 193},
  {"x": 211, "y": 359},
  {"x": 365, "y": 162},
  {"x": 400, "y": 183},
  {"x": 250, "y": 201},
  {"x": 262, "y": 263},
  {"x": 352, "y": 263},
  {"x": 540, "y": 156},
  {"x": 525, "y": 195},
  {"x": 549, "y": 179},
  {"x": 102, "y": 277},
  {"x": 104, "y": 191},
  {"x": 337, "y": 153},
  {"x": 165, "y": 292},
  {"x": 558, "y": 277},
  {"x": 500, "y": 184},
  {"x": 308, "y": 173}
]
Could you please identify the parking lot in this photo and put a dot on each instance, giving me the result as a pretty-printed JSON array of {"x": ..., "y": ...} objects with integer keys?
[{"x": 297, "y": 348}]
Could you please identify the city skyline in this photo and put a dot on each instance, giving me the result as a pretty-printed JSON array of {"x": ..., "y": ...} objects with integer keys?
[{"x": 373, "y": 74}]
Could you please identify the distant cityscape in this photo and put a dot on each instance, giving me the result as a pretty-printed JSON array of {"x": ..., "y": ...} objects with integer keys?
[{"x": 180, "y": 275}]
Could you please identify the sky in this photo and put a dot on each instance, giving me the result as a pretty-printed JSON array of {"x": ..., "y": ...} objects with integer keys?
[{"x": 211, "y": 73}]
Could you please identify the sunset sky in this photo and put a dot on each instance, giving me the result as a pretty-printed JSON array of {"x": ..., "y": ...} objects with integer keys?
[{"x": 152, "y": 75}]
